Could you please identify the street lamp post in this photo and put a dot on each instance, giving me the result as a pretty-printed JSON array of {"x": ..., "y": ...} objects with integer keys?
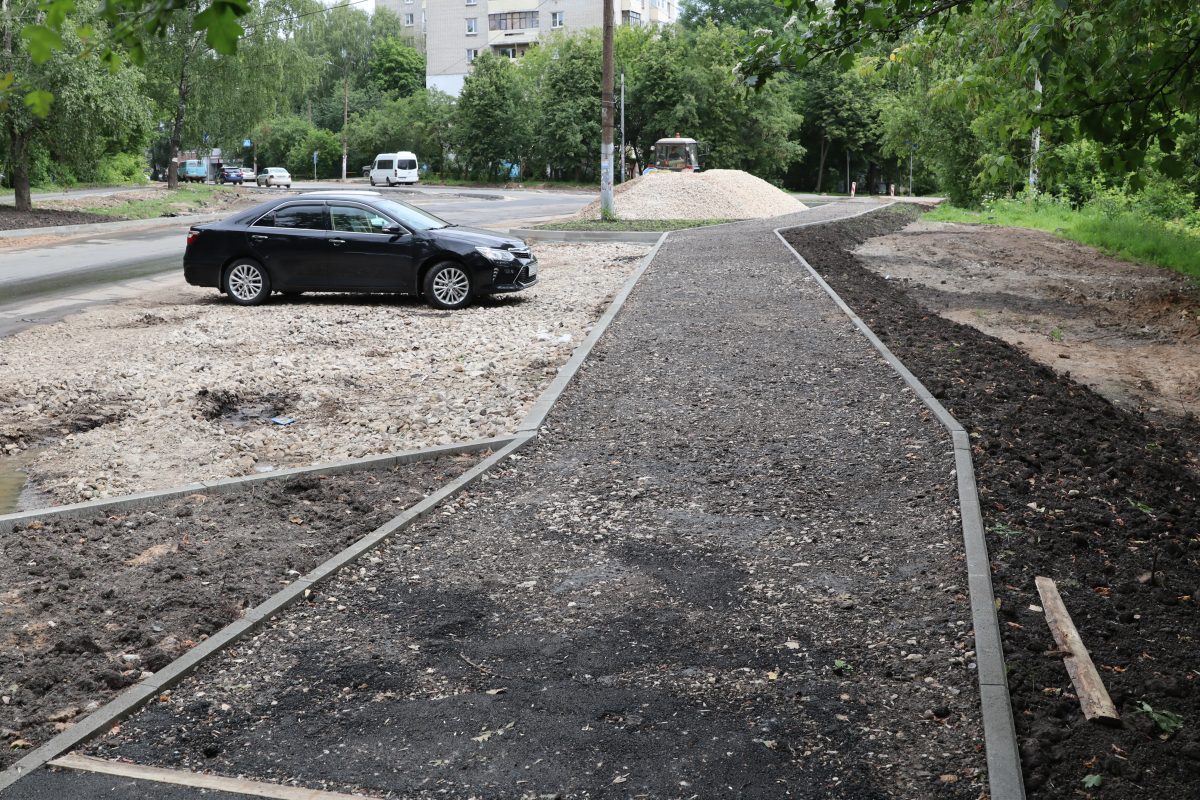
[{"x": 606, "y": 117}]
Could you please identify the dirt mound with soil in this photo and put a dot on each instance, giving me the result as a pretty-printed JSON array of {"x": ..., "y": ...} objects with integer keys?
[
  {"x": 1127, "y": 330},
  {"x": 1098, "y": 498},
  {"x": 715, "y": 194},
  {"x": 13, "y": 220},
  {"x": 90, "y": 605}
]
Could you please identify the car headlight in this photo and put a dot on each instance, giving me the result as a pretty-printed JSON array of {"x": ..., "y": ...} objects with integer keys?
[{"x": 496, "y": 254}]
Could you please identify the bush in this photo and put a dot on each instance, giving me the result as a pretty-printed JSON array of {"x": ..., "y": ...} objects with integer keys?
[
  {"x": 1164, "y": 199},
  {"x": 121, "y": 168}
]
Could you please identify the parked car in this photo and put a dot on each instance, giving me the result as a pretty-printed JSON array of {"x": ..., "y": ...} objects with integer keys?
[
  {"x": 231, "y": 175},
  {"x": 393, "y": 168},
  {"x": 366, "y": 170},
  {"x": 274, "y": 176},
  {"x": 353, "y": 242}
]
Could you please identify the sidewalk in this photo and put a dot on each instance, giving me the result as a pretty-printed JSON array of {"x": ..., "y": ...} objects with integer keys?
[{"x": 729, "y": 566}]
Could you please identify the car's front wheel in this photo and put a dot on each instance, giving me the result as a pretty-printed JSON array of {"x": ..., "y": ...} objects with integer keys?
[
  {"x": 448, "y": 286},
  {"x": 372, "y": 181},
  {"x": 247, "y": 283}
]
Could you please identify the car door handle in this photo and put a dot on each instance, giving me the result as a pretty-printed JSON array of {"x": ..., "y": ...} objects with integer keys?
[
  {"x": 258, "y": 237},
  {"x": 337, "y": 242}
]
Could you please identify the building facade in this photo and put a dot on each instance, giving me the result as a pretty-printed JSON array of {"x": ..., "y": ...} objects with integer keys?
[{"x": 459, "y": 31}]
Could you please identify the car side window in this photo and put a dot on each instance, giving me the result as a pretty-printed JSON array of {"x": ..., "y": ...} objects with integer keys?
[
  {"x": 353, "y": 219},
  {"x": 309, "y": 217},
  {"x": 383, "y": 163}
]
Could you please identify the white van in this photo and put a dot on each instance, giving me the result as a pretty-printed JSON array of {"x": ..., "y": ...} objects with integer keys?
[{"x": 393, "y": 168}]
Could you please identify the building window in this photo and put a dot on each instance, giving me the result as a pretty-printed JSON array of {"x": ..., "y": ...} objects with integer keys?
[
  {"x": 507, "y": 52},
  {"x": 513, "y": 21},
  {"x": 408, "y": 20},
  {"x": 472, "y": 2},
  {"x": 631, "y": 18},
  {"x": 556, "y": 19},
  {"x": 472, "y": 55},
  {"x": 472, "y": 26}
]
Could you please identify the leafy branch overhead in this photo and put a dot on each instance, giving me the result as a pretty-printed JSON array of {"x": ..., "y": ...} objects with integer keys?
[
  {"x": 1122, "y": 71},
  {"x": 131, "y": 25}
]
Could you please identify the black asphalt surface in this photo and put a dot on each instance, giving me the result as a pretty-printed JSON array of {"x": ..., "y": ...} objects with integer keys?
[{"x": 729, "y": 566}]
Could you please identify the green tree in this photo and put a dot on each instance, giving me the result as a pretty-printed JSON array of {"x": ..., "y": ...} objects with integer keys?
[
  {"x": 96, "y": 113},
  {"x": 745, "y": 14},
  {"x": 396, "y": 69},
  {"x": 491, "y": 125}
]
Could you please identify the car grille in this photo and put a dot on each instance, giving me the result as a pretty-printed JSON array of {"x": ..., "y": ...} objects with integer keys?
[
  {"x": 521, "y": 254},
  {"x": 523, "y": 276}
]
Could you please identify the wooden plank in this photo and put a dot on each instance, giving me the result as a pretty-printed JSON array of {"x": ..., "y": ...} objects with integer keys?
[
  {"x": 1093, "y": 697},
  {"x": 197, "y": 780}
]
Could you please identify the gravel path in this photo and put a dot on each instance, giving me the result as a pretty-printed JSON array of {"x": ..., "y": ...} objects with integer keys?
[
  {"x": 730, "y": 566},
  {"x": 179, "y": 385}
]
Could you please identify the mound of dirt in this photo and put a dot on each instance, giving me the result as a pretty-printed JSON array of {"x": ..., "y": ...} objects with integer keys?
[{"x": 716, "y": 194}]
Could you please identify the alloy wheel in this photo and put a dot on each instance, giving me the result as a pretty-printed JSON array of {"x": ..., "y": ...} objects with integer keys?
[
  {"x": 245, "y": 282},
  {"x": 450, "y": 286}
]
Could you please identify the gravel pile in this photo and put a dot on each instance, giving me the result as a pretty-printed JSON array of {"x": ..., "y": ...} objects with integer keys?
[
  {"x": 180, "y": 385},
  {"x": 715, "y": 194}
]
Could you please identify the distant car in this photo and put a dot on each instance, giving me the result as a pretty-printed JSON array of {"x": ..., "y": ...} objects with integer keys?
[
  {"x": 393, "y": 168},
  {"x": 353, "y": 242},
  {"x": 366, "y": 170},
  {"x": 231, "y": 175},
  {"x": 274, "y": 176}
]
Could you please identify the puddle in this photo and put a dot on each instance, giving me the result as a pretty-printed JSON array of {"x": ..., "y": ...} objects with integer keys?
[
  {"x": 12, "y": 480},
  {"x": 239, "y": 416}
]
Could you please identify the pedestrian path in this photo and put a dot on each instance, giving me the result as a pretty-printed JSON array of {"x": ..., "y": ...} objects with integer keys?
[{"x": 728, "y": 566}]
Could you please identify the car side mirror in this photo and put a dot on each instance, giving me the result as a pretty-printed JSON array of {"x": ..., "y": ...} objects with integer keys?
[{"x": 394, "y": 230}]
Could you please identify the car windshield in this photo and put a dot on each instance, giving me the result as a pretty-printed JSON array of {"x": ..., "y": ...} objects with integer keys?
[{"x": 409, "y": 216}]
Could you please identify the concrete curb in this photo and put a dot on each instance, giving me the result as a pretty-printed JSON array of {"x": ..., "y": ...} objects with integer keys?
[
  {"x": 142, "y": 693},
  {"x": 109, "y": 227},
  {"x": 549, "y": 396},
  {"x": 144, "y": 499},
  {"x": 537, "y": 235},
  {"x": 999, "y": 731}
]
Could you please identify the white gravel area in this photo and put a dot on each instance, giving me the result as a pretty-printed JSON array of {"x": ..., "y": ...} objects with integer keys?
[
  {"x": 715, "y": 194},
  {"x": 179, "y": 385}
]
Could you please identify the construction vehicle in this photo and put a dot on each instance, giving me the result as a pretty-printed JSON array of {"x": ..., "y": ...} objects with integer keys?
[{"x": 677, "y": 154}]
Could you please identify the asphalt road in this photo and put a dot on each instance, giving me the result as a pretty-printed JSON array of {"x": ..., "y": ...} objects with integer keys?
[{"x": 121, "y": 256}]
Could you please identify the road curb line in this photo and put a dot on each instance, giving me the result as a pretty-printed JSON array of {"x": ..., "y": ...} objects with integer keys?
[
  {"x": 109, "y": 227},
  {"x": 999, "y": 731},
  {"x": 634, "y": 237},
  {"x": 224, "y": 485},
  {"x": 549, "y": 396},
  {"x": 195, "y": 780},
  {"x": 145, "y": 691}
]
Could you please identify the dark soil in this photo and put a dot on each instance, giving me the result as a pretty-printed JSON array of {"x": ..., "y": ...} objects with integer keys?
[
  {"x": 88, "y": 605},
  {"x": 730, "y": 566},
  {"x": 11, "y": 219},
  {"x": 1098, "y": 498}
]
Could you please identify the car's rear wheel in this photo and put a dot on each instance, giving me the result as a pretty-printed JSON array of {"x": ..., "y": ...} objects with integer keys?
[
  {"x": 448, "y": 286},
  {"x": 247, "y": 283}
]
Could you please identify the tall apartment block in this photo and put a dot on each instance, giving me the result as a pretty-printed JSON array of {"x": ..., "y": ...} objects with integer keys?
[{"x": 458, "y": 31}]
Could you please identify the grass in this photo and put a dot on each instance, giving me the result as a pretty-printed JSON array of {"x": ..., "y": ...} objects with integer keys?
[
  {"x": 192, "y": 198},
  {"x": 648, "y": 225},
  {"x": 1127, "y": 235}
]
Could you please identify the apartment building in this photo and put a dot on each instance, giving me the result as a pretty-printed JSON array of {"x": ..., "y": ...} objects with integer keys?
[
  {"x": 411, "y": 14},
  {"x": 458, "y": 31}
]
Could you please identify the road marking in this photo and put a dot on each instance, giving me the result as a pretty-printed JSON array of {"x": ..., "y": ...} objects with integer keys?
[{"x": 195, "y": 780}]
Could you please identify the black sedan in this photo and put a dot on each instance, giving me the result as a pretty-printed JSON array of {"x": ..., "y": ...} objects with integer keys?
[{"x": 353, "y": 242}]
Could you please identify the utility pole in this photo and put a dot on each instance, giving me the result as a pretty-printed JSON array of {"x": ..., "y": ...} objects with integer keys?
[
  {"x": 606, "y": 117},
  {"x": 345, "y": 111},
  {"x": 847, "y": 171},
  {"x": 623, "y": 126}
]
